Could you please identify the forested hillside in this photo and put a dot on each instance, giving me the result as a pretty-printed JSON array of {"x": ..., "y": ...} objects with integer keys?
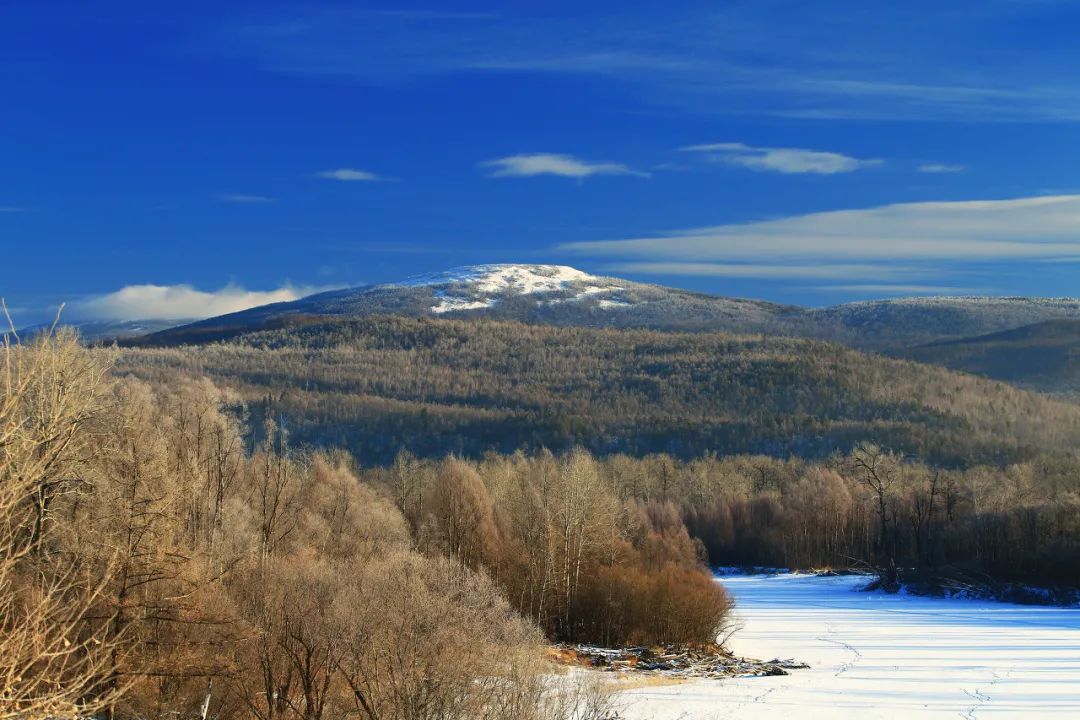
[
  {"x": 376, "y": 385},
  {"x": 1044, "y": 356},
  {"x": 898, "y": 324}
]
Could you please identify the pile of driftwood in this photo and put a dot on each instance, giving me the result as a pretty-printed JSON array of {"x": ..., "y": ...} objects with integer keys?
[{"x": 708, "y": 662}]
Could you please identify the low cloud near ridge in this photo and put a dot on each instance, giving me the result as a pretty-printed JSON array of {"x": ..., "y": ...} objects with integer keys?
[{"x": 178, "y": 302}]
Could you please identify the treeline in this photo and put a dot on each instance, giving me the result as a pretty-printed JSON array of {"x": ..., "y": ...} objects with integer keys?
[
  {"x": 156, "y": 559},
  {"x": 436, "y": 387},
  {"x": 587, "y": 563},
  {"x": 872, "y": 509}
]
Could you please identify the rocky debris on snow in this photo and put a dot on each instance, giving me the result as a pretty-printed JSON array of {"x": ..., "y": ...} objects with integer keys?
[{"x": 689, "y": 662}]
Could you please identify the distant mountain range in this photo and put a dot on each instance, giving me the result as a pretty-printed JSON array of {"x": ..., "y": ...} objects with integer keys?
[
  {"x": 561, "y": 295},
  {"x": 1031, "y": 342},
  {"x": 103, "y": 331},
  {"x": 905, "y": 322},
  {"x": 501, "y": 357}
]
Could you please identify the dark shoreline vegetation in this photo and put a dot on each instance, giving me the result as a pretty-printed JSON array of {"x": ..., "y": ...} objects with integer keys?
[
  {"x": 209, "y": 525},
  {"x": 944, "y": 582}
]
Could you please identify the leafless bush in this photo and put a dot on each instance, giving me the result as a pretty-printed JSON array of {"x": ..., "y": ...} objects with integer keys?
[
  {"x": 578, "y": 696},
  {"x": 424, "y": 640}
]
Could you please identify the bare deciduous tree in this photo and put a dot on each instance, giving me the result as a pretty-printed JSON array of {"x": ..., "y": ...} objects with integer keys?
[{"x": 55, "y": 657}]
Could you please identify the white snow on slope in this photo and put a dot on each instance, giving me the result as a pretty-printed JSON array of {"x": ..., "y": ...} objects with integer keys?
[
  {"x": 479, "y": 286},
  {"x": 578, "y": 297},
  {"x": 521, "y": 279},
  {"x": 613, "y": 304},
  {"x": 874, "y": 655},
  {"x": 448, "y": 303},
  {"x": 594, "y": 290}
]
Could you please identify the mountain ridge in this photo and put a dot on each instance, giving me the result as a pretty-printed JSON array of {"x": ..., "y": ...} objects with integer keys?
[
  {"x": 565, "y": 296},
  {"x": 534, "y": 293},
  {"x": 560, "y": 295}
]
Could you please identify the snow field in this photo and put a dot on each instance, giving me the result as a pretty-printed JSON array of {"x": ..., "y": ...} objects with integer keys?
[{"x": 875, "y": 655}]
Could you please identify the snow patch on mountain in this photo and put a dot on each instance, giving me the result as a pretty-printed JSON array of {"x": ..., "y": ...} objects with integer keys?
[
  {"x": 613, "y": 304},
  {"x": 481, "y": 286},
  {"x": 584, "y": 294},
  {"x": 518, "y": 279},
  {"x": 593, "y": 290},
  {"x": 452, "y": 304}
]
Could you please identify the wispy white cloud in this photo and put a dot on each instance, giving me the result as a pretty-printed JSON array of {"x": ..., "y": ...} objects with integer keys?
[
  {"x": 178, "y": 302},
  {"x": 532, "y": 164},
  {"x": 941, "y": 168},
  {"x": 243, "y": 199},
  {"x": 1022, "y": 228},
  {"x": 907, "y": 61},
  {"x": 829, "y": 271},
  {"x": 791, "y": 161},
  {"x": 902, "y": 246},
  {"x": 350, "y": 175},
  {"x": 11, "y": 209},
  {"x": 885, "y": 289}
]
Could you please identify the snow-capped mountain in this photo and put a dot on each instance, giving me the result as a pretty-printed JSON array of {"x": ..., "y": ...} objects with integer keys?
[
  {"x": 510, "y": 291},
  {"x": 482, "y": 286},
  {"x": 554, "y": 294},
  {"x": 561, "y": 295}
]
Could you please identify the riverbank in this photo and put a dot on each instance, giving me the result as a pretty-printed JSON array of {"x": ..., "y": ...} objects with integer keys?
[
  {"x": 880, "y": 655},
  {"x": 712, "y": 662}
]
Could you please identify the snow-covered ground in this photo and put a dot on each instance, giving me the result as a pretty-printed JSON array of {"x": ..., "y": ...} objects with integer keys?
[
  {"x": 481, "y": 286},
  {"x": 523, "y": 279},
  {"x": 874, "y": 655}
]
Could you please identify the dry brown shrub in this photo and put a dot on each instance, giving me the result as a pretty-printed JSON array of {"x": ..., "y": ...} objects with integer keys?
[
  {"x": 671, "y": 605},
  {"x": 423, "y": 639},
  {"x": 463, "y": 514},
  {"x": 347, "y": 519}
]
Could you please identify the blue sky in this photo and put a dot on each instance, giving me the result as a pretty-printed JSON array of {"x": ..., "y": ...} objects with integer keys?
[{"x": 807, "y": 152}]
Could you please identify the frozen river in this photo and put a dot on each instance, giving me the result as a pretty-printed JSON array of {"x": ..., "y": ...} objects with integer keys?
[{"x": 874, "y": 655}]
